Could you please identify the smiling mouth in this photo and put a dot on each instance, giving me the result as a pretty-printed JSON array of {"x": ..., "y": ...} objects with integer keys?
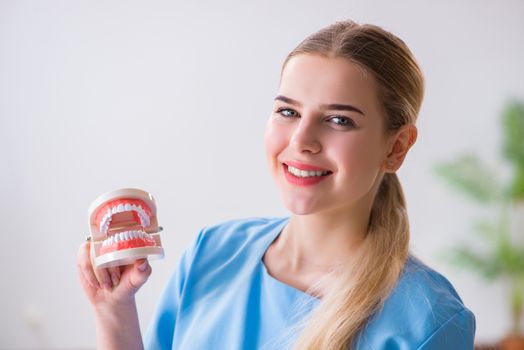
[{"x": 300, "y": 173}]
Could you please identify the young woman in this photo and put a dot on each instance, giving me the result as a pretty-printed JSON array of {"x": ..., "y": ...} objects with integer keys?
[{"x": 337, "y": 273}]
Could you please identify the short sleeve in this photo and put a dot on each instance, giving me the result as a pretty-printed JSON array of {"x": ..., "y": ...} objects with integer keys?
[
  {"x": 159, "y": 334},
  {"x": 458, "y": 332}
]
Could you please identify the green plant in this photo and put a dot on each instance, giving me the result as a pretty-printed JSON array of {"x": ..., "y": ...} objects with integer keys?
[{"x": 501, "y": 257}]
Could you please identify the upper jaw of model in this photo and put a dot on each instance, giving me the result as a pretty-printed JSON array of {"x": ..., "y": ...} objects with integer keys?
[{"x": 140, "y": 211}]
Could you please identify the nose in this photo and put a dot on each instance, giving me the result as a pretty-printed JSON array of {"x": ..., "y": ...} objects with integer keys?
[{"x": 305, "y": 137}]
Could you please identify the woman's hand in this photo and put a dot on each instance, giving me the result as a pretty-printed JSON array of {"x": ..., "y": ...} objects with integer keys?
[
  {"x": 110, "y": 286},
  {"x": 112, "y": 291}
]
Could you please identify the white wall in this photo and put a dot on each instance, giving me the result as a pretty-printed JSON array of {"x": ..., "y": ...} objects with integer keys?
[{"x": 173, "y": 97}]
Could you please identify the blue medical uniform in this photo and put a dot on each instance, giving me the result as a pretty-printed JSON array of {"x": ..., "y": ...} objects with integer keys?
[{"x": 221, "y": 296}]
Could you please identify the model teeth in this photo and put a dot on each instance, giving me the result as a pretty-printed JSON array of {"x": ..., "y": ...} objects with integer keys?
[
  {"x": 106, "y": 220},
  {"x": 305, "y": 173},
  {"x": 125, "y": 236}
]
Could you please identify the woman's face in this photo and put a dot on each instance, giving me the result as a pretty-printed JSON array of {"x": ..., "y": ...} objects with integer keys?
[{"x": 326, "y": 118}]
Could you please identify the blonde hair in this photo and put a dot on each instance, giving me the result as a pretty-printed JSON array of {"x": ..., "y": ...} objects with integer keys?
[{"x": 361, "y": 292}]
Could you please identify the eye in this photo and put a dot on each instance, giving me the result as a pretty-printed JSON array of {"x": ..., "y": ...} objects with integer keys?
[
  {"x": 343, "y": 121},
  {"x": 286, "y": 112}
]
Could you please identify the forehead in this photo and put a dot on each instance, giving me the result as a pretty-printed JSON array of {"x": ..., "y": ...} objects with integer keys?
[{"x": 315, "y": 80}]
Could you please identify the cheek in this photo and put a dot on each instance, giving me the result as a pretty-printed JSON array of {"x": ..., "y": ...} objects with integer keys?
[
  {"x": 359, "y": 157},
  {"x": 275, "y": 141},
  {"x": 356, "y": 148}
]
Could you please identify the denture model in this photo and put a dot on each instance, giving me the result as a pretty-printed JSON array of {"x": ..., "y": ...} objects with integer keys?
[{"x": 124, "y": 228}]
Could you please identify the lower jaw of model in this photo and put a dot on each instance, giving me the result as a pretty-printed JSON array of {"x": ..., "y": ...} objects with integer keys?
[{"x": 127, "y": 240}]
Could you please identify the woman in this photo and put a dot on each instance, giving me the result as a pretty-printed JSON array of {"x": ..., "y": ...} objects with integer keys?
[{"x": 336, "y": 274}]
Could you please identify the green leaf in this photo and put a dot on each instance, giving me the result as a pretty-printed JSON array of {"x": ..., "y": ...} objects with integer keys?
[
  {"x": 516, "y": 188},
  {"x": 465, "y": 257},
  {"x": 487, "y": 230},
  {"x": 513, "y": 122},
  {"x": 501, "y": 257},
  {"x": 469, "y": 175},
  {"x": 513, "y": 148}
]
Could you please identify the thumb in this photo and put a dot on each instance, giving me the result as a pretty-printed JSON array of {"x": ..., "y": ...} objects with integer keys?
[{"x": 139, "y": 273}]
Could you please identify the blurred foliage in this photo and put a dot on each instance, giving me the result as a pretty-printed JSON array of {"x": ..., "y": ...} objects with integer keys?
[
  {"x": 468, "y": 174},
  {"x": 513, "y": 149},
  {"x": 503, "y": 258}
]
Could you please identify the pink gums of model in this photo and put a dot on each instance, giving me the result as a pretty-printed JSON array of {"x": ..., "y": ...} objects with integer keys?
[{"x": 124, "y": 228}]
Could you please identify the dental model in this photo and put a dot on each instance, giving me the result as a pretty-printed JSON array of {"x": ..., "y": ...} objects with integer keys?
[{"x": 123, "y": 227}]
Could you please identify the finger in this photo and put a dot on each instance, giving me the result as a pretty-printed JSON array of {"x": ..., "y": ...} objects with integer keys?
[
  {"x": 114, "y": 273},
  {"x": 103, "y": 277},
  {"x": 139, "y": 274},
  {"x": 84, "y": 265},
  {"x": 101, "y": 274}
]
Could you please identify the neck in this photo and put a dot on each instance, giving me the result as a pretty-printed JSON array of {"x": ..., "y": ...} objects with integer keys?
[{"x": 324, "y": 240}]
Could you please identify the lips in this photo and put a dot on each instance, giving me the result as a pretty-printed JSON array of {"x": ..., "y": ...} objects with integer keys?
[{"x": 308, "y": 180}]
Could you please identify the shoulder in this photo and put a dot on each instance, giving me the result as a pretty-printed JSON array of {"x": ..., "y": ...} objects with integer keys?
[
  {"x": 421, "y": 286},
  {"x": 423, "y": 309}
]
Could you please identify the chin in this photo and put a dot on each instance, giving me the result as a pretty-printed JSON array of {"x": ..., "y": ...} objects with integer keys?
[{"x": 301, "y": 207}]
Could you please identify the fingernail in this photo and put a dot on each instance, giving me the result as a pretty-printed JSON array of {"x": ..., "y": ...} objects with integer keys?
[
  {"x": 115, "y": 279},
  {"x": 142, "y": 267}
]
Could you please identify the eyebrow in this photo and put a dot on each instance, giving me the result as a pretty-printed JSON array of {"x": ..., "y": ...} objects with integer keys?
[{"x": 332, "y": 106}]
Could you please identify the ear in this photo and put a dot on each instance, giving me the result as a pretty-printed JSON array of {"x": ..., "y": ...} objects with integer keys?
[{"x": 399, "y": 145}]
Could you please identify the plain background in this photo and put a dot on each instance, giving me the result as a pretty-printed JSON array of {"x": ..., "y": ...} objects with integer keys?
[{"x": 173, "y": 97}]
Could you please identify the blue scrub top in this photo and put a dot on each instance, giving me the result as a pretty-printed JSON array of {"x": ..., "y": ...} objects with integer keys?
[{"x": 221, "y": 296}]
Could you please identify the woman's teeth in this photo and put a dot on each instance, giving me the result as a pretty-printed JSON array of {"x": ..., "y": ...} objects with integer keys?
[{"x": 305, "y": 173}]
